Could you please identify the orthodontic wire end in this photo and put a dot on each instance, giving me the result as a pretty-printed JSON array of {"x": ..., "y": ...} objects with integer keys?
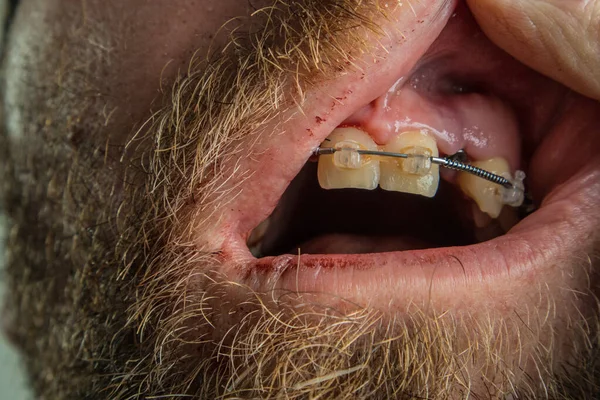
[{"x": 320, "y": 151}]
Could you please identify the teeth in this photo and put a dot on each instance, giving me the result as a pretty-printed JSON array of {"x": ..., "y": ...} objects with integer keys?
[
  {"x": 487, "y": 195},
  {"x": 345, "y": 169},
  {"x": 416, "y": 175}
]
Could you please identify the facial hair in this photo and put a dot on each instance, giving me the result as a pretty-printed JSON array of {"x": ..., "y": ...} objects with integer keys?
[{"x": 111, "y": 298}]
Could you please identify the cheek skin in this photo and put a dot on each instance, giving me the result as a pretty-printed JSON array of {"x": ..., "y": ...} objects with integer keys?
[{"x": 139, "y": 46}]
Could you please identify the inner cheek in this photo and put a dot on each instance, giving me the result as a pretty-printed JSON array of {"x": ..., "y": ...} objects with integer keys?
[{"x": 569, "y": 147}]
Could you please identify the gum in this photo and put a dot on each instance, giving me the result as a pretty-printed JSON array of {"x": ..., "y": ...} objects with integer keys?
[{"x": 483, "y": 127}]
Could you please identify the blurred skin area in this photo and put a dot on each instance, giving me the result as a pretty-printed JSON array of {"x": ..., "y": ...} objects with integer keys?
[{"x": 122, "y": 124}]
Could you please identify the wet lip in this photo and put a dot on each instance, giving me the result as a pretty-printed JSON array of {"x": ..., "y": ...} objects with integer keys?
[{"x": 520, "y": 254}]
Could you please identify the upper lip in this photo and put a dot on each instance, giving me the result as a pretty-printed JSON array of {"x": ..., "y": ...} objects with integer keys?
[{"x": 270, "y": 172}]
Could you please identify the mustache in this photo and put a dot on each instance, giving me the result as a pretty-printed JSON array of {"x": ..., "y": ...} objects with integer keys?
[
  {"x": 266, "y": 66},
  {"x": 223, "y": 97}
]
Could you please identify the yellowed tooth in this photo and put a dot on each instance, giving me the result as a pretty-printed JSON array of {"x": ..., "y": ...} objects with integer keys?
[
  {"x": 346, "y": 169},
  {"x": 416, "y": 176},
  {"x": 486, "y": 194}
]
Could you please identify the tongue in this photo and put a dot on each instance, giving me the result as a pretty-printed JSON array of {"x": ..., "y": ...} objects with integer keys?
[{"x": 358, "y": 244}]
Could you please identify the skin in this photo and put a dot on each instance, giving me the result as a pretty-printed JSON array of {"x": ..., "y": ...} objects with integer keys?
[
  {"x": 118, "y": 288},
  {"x": 547, "y": 36}
]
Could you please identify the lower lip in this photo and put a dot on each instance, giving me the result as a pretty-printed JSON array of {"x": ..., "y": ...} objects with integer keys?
[{"x": 454, "y": 273}]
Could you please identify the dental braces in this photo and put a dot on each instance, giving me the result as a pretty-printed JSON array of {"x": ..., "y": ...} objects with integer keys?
[{"x": 418, "y": 161}]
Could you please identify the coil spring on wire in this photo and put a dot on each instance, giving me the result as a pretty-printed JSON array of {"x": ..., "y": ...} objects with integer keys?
[{"x": 477, "y": 171}]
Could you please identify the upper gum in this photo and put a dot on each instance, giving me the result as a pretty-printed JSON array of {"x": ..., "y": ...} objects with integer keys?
[
  {"x": 382, "y": 147},
  {"x": 483, "y": 126}
]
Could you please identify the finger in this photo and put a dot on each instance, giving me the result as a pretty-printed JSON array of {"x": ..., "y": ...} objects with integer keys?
[{"x": 559, "y": 38}]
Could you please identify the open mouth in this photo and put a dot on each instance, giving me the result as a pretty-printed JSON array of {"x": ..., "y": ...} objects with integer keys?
[
  {"x": 291, "y": 228},
  {"x": 311, "y": 220}
]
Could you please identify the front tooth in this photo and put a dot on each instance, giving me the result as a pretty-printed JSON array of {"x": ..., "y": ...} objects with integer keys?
[
  {"x": 486, "y": 194},
  {"x": 345, "y": 169},
  {"x": 417, "y": 175}
]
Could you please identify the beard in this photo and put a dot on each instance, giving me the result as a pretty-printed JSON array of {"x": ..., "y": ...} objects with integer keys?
[
  {"x": 231, "y": 341},
  {"x": 111, "y": 297}
]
